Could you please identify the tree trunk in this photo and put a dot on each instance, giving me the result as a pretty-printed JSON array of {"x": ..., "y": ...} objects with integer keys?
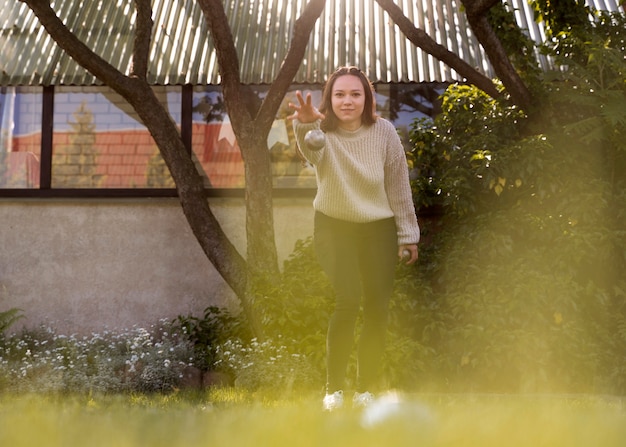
[
  {"x": 261, "y": 253},
  {"x": 252, "y": 128},
  {"x": 476, "y": 15},
  {"x": 189, "y": 185}
]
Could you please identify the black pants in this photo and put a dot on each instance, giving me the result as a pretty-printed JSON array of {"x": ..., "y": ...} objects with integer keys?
[{"x": 360, "y": 260}]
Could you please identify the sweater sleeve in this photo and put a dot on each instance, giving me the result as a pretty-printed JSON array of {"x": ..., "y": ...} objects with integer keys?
[{"x": 399, "y": 195}]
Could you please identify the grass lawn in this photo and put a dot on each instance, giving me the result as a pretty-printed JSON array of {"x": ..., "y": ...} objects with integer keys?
[{"x": 227, "y": 417}]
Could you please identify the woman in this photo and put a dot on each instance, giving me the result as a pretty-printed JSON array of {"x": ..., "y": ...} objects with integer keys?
[{"x": 364, "y": 220}]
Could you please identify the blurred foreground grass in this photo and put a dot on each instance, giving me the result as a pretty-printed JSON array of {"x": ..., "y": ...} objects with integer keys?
[{"x": 228, "y": 417}]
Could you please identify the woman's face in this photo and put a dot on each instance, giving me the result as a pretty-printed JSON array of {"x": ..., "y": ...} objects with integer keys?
[{"x": 348, "y": 101}]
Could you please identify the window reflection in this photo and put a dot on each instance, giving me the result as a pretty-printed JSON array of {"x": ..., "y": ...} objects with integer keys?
[
  {"x": 288, "y": 168},
  {"x": 213, "y": 141},
  {"x": 20, "y": 136},
  {"x": 217, "y": 151},
  {"x": 99, "y": 141}
]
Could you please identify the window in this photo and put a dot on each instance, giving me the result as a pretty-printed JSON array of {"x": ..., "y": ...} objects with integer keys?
[
  {"x": 403, "y": 103},
  {"x": 69, "y": 140},
  {"x": 216, "y": 150},
  {"x": 99, "y": 142},
  {"x": 20, "y": 136},
  {"x": 213, "y": 141}
]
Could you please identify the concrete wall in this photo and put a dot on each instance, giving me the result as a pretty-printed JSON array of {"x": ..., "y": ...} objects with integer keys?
[{"x": 85, "y": 265}]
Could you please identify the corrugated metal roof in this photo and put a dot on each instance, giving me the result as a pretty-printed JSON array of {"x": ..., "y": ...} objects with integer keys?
[{"x": 355, "y": 32}]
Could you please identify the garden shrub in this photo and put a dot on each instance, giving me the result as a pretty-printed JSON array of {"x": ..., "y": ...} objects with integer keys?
[
  {"x": 528, "y": 268},
  {"x": 136, "y": 360},
  {"x": 206, "y": 333},
  {"x": 222, "y": 342},
  {"x": 296, "y": 309},
  {"x": 412, "y": 332},
  {"x": 293, "y": 309},
  {"x": 8, "y": 318},
  {"x": 270, "y": 365}
]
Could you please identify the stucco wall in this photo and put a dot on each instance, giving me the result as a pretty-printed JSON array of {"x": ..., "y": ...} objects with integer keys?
[{"x": 82, "y": 266}]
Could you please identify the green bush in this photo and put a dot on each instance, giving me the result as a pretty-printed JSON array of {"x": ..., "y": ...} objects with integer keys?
[
  {"x": 297, "y": 306},
  {"x": 205, "y": 333},
  {"x": 8, "y": 318},
  {"x": 412, "y": 338},
  {"x": 136, "y": 360},
  {"x": 270, "y": 365},
  {"x": 296, "y": 309},
  {"x": 519, "y": 312},
  {"x": 527, "y": 271}
]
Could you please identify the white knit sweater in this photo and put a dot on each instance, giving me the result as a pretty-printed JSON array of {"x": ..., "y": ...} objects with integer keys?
[{"x": 362, "y": 176}]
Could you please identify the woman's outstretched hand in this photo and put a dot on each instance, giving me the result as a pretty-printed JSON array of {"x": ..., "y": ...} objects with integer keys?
[{"x": 304, "y": 110}]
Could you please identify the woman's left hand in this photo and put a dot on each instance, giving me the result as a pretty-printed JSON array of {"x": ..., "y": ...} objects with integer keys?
[
  {"x": 304, "y": 110},
  {"x": 408, "y": 253}
]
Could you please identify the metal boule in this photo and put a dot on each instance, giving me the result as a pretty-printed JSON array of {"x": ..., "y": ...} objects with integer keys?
[{"x": 315, "y": 140}]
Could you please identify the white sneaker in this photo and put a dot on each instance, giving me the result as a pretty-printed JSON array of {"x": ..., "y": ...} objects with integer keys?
[
  {"x": 362, "y": 400},
  {"x": 333, "y": 401}
]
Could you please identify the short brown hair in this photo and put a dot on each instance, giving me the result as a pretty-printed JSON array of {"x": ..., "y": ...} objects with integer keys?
[{"x": 331, "y": 122}]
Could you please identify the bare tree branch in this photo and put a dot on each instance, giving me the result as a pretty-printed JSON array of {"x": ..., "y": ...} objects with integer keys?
[
  {"x": 419, "y": 38},
  {"x": 301, "y": 33},
  {"x": 143, "y": 34},
  {"x": 251, "y": 126}
]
